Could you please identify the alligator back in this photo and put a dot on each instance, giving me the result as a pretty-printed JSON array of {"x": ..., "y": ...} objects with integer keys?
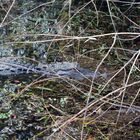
[
  {"x": 16, "y": 66},
  {"x": 9, "y": 66}
]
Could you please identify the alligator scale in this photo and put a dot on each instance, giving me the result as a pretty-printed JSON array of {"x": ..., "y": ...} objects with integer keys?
[{"x": 16, "y": 66}]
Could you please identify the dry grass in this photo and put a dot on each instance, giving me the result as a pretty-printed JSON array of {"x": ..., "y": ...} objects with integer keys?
[{"x": 101, "y": 108}]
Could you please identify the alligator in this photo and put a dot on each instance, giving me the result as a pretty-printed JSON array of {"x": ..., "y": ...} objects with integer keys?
[{"x": 16, "y": 66}]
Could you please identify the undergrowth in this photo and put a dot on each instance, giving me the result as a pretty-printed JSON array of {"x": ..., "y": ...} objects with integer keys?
[{"x": 100, "y": 35}]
